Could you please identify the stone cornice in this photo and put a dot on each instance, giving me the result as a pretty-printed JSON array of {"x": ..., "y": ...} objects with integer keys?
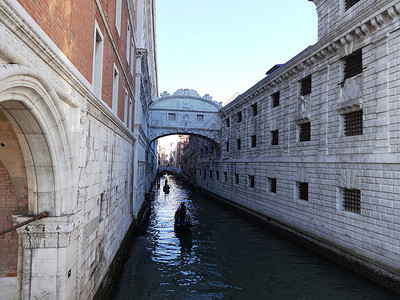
[{"x": 311, "y": 56}]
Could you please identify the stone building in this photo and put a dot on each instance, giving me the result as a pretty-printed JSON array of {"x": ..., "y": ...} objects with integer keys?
[
  {"x": 76, "y": 78},
  {"x": 314, "y": 146}
]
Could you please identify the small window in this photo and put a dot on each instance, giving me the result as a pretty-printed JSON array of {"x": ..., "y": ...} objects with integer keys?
[
  {"x": 353, "y": 123},
  {"x": 210, "y": 174},
  {"x": 225, "y": 176},
  {"x": 204, "y": 174},
  {"x": 254, "y": 109},
  {"x": 228, "y": 122},
  {"x": 272, "y": 185},
  {"x": 126, "y": 107},
  {"x": 274, "y": 137},
  {"x": 238, "y": 143},
  {"x": 253, "y": 141},
  {"x": 251, "y": 181},
  {"x": 352, "y": 200},
  {"x": 305, "y": 132},
  {"x": 97, "y": 62},
  {"x": 237, "y": 178},
  {"x": 128, "y": 41},
  {"x": 217, "y": 175},
  {"x": 239, "y": 117},
  {"x": 115, "y": 91},
  {"x": 227, "y": 146},
  {"x": 118, "y": 8},
  {"x": 305, "y": 86},
  {"x": 303, "y": 190},
  {"x": 353, "y": 65},
  {"x": 349, "y": 3},
  {"x": 200, "y": 118},
  {"x": 275, "y": 99},
  {"x": 171, "y": 117}
]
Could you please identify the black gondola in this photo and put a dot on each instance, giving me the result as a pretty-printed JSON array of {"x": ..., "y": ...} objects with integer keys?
[{"x": 181, "y": 219}]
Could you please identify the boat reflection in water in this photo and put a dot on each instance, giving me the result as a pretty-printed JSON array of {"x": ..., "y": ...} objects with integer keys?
[{"x": 224, "y": 255}]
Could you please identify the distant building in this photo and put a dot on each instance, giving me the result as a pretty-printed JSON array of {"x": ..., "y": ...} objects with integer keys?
[{"x": 183, "y": 141}]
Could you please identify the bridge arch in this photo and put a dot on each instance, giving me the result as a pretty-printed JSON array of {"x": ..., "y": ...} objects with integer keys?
[{"x": 185, "y": 112}]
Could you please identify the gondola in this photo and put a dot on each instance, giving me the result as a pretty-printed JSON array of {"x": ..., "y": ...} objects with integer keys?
[{"x": 182, "y": 225}]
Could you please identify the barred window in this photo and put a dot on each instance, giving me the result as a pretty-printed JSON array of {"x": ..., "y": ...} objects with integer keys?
[
  {"x": 353, "y": 123},
  {"x": 352, "y": 200},
  {"x": 353, "y": 64},
  {"x": 303, "y": 190},
  {"x": 217, "y": 175},
  {"x": 253, "y": 141},
  {"x": 200, "y": 118},
  {"x": 272, "y": 185},
  {"x": 306, "y": 86},
  {"x": 239, "y": 117},
  {"x": 275, "y": 99},
  {"x": 228, "y": 122},
  {"x": 254, "y": 109},
  {"x": 227, "y": 146},
  {"x": 171, "y": 117},
  {"x": 238, "y": 143},
  {"x": 251, "y": 181},
  {"x": 237, "y": 178},
  {"x": 274, "y": 137},
  {"x": 349, "y": 3},
  {"x": 305, "y": 132}
]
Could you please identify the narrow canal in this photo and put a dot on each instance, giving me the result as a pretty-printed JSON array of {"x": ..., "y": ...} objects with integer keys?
[{"x": 227, "y": 256}]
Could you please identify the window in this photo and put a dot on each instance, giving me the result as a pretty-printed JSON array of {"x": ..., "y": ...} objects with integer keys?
[
  {"x": 254, "y": 109},
  {"x": 200, "y": 118},
  {"x": 217, "y": 175},
  {"x": 118, "y": 8},
  {"x": 274, "y": 137},
  {"x": 227, "y": 146},
  {"x": 210, "y": 174},
  {"x": 102, "y": 207},
  {"x": 126, "y": 108},
  {"x": 130, "y": 114},
  {"x": 353, "y": 123},
  {"x": 238, "y": 143},
  {"x": 253, "y": 141},
  {"x": 204, "y": 174},
  {"x": 272, "y": 185},
  {"x": 275, "y": 99},
  {"x": 349, "y": 3},
  {"x": 171, "y": 117},
  {"x": 128, "y": 41},
  {"x": 225, "y": 176},
  {"x": 303, "y": 190},
  {"x": 132, "y": 57},
  {"x": 353, "y": 64},
  {"x": 251, "y": 181},
  {"x": 115, "y": 91},
  {"x": 305, "y": 86},
  {"x": 352, "y": 200},
  {"x": 227, "y": 122},
  {"x": 97, "y": 61},
  {"x": 305, "y": 132},
  {"x": 237, "y": 178},
  {"x": 239, "y": 117}
]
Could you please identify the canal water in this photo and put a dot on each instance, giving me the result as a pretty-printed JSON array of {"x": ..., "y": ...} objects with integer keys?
[{"x": 226, "y": 256}]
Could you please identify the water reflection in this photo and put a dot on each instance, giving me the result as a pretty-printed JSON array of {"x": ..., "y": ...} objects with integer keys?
[{"x": 227, "y": 256}]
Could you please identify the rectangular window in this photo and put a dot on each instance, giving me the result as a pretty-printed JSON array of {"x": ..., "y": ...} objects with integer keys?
[
  {"x": 97, "y": 76},
  {"x": 128, "y": 41},
  {"x": 227, "y": 122},
  {"x": 225, "y": 176},
  {"x": 237, "y": 178},
  {"x": 253, "y": 141},
  {"x": 349, "y": 3},
  {"x": 118, "y": 8},
  {"x": 239, "y": 117},
  {"x": 227, "y": 146},
  {"x": 305, "y": 86},
  {"x": 102, "y": 207},
  {"x": 353, "y": 64},
  {"x": 171, "y": 117},
  {"x": 272, "y": 185},
  {"x": 353, "y": 123},
  {"x": 254, "y": 109},
  {"x": 200, "y": 118},
  {"x": 238, "y": 143},
  {"x": 303, "y": 190},
  {"x": 274, "y": 137},
  {"x": 132, "y": 57},
  {"x": 115, "y": 91},
  {"x": 251, "y": 181},
  {"x": 204, "y": 174},
  {"x": 210, "y": 174},
  {"x": 305, "y": 132},
  {"x": 126, "y": 108},
  {"x": 275, "y": 99},
  {"x": 130, "y": 114},
  {"x": 352, "y": 200},
  {"x": 217, "y": 175}
]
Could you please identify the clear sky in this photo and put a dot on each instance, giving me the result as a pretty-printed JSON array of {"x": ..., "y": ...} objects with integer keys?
[{"x": 221, "y": 47}]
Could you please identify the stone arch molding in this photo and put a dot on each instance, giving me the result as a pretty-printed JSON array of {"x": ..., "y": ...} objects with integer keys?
[
  {"x": 35, "y": 111},
  {"x": 185, "y": 112}
]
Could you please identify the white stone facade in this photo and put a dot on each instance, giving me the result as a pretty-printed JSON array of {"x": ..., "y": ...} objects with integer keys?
[{"x": 303, "y": 182}]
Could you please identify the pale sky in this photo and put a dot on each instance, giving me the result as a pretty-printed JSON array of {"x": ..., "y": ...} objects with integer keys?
[{"x": 221, "y": 47}]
